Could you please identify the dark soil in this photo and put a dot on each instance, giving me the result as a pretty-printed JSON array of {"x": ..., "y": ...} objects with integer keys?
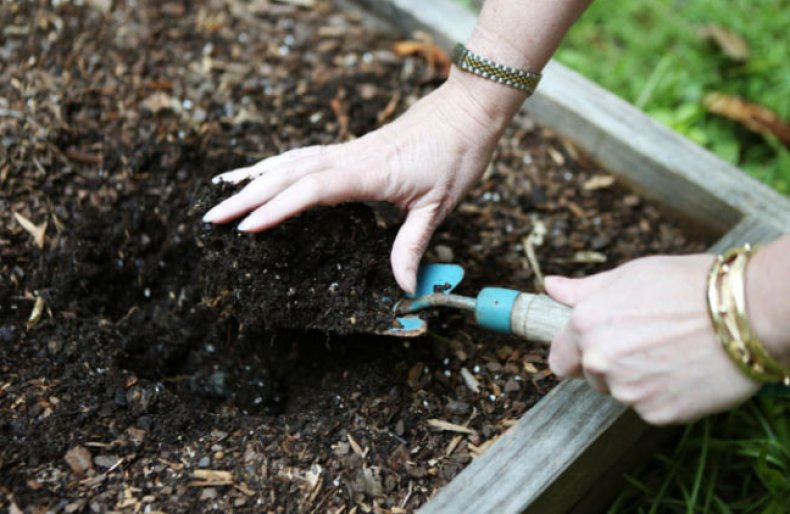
[
  {"x": 139, "y": 371},
  {"x": 327, "y": 270}
]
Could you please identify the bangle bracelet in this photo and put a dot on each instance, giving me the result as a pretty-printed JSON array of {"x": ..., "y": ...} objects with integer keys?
[
  {"x": 727, "y": 309},
  {"x": 467, "y": 60}
]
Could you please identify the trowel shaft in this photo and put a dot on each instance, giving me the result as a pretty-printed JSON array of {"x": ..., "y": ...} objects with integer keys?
[{"x": 534, "y": 317}]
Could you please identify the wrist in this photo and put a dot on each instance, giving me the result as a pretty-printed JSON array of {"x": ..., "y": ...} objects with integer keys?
[
  {"x": 490, "y": 104},
  {"x": 767, "y": 307}
]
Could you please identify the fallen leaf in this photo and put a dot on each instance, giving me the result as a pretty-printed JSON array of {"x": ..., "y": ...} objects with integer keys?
[
  {"x": 754, "y": 117},
  {"x": 37, "y": 231},
  {"x": 436, "y": 58},
  {"x": 731, "y": 44}
]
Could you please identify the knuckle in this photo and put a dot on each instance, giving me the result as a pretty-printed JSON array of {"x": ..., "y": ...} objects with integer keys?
[
  {"x": 625, "y": 395},
  {"x": 583, "y": 319},
  {"x": 656, "y": 416},
  {"x": 311, "y": 186},
  {"x": 594, "y": 361}
]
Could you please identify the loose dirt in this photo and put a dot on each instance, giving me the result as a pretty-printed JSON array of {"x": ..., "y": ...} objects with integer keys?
[{"x": 151, "y": 363}]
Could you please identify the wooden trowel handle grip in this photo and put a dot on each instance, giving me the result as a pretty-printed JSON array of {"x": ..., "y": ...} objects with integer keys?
[
  {"x": 538, "y": 318},
  {"x": 535, "y": 317}
]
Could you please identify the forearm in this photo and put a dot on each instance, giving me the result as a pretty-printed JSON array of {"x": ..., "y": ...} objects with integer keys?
[
  {"x": 522, "y": 34},
  {"x": 768, "y": 297}
]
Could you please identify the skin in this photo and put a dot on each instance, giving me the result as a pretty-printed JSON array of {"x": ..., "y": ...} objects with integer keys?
[{"x": 639, "y": 332}]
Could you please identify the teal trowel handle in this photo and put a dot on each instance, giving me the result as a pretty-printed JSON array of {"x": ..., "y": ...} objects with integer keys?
[{"x": 534, "y": 317}]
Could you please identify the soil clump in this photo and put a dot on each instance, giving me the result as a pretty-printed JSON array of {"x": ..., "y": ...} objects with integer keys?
[{"x": 129, "y": 379}]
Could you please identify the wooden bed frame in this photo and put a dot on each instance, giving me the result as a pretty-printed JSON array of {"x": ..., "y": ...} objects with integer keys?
[{"x": 555, "y": 458}]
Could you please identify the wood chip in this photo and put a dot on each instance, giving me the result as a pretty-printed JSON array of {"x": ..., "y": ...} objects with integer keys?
[
  {"x": 533, "y": 240},
  {"x": 385, "y": 114},
  {"x": 79, "y": 460},
  {"x": 598, "y": 182},
  {"x": 470, "y": 380},
  {"x": 477, "y": 451},
  {"x": 356, "y": 447},
  {"x": 298, "y": 3},
  {"x": 36, "y": 313},
  {"x": 589, "y": 257},
  {"x": 446, "y": 426},
  {"x": 211, "y": 478},
  {"x": 37, "y": 231},
  {"x": 453, "y": 445}
]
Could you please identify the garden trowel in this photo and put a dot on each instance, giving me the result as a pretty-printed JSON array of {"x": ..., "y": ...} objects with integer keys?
[{"x": 532, "y": 316}]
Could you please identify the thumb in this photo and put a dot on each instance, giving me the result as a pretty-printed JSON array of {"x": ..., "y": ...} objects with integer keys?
[
  {"x": 410, "y": 244},
  {"x": 570, "y": 291}
]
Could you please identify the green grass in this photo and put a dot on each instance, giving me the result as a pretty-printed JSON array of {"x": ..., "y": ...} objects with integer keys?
[
  {"x": 650, "y": 53},
  {"x": 734, "y": 462}
]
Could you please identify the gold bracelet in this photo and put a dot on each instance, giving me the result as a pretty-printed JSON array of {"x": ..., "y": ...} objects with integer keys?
[
  {"x": 467, "y": 60},
  {"x": 727, "y": 309}
]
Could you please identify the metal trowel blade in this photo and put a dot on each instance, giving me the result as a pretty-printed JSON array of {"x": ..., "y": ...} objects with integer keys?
[{"x": 431, "y": 279}]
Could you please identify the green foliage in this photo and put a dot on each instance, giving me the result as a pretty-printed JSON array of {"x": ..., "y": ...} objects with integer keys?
[
  {"x": 651, "y": 54},
  {"x": 734, "y": 462}
]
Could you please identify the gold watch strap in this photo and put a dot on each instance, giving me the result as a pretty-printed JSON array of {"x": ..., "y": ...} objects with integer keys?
[{"x": 467, "y": 60}]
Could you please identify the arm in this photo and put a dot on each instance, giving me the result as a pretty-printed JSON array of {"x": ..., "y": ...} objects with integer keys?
[
  {"x": 426, "y": 160},
  {"x": 642, "y": 333},
  {"x": 768, "y": 297}
]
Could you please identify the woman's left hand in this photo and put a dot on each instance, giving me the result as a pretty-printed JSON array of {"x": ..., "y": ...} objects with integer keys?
[{"x": 641, "y": 332}]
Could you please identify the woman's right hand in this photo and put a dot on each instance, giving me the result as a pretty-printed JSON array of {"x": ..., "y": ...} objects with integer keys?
[{"x": 424, "y": 162}]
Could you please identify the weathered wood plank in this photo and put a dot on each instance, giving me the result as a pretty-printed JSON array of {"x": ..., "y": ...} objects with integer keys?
[
  {"x": 558, "y": 449},
  {"x": 525, "y": 461},
  {"x": 663, "y": 166},
  {"x": 754, "y": 229}
]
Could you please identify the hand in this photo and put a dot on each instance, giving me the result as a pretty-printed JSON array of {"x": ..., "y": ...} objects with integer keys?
[
  {"x": 424, "y": 162},
  {"x": 641, "y": 333}
]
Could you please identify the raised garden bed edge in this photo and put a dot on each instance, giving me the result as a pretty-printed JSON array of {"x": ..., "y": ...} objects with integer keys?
[{"x": 552, "y": 459}]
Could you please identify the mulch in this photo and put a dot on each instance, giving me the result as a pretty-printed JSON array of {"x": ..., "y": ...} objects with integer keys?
[{"x": 130, "y": 377}]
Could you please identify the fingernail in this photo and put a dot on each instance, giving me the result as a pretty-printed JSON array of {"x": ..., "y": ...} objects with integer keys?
[
  {"x": 245, "y": 225},
  {"x": 210, "y": 216}
]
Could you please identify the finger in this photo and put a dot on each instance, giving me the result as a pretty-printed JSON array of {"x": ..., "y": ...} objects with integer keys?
[
  {"x": 570, "y": 291},
  {"x": 596, "y": 380},
  {"x": 291, "y": 157},
  {"x": 263, "y": 189},
  {"x": 565, "y": 358},
  {"x": 327, "y": 188},
  {"x": 410, "y": 245}
]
